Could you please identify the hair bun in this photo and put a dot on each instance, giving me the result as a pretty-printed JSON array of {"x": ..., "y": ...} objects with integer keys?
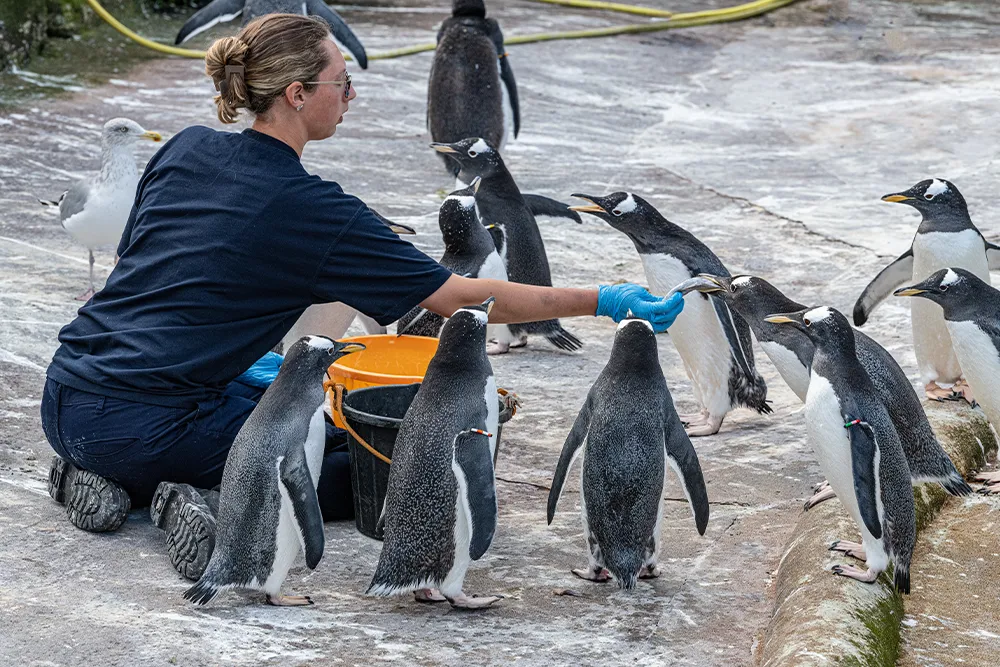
[{"x": 224, "y": 62}]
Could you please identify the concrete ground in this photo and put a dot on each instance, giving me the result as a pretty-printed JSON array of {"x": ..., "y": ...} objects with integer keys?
[{"x": 772, "y": 140}]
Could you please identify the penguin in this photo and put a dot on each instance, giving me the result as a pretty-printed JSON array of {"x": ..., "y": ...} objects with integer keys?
[
  {"x": 501, "y": 203},
  {"x": 268, "y": 507},
  {"x": 333, "y": 319},
  {"x": 857, "y": 447},
  {"x": 221, "y": 11},
  {"x": 713, "y": 342},
  {"x": 972, "y": 314},
  {"x": 469, "y": 251},
  {"x": 472, "y": 91},
  {"x": 629, "y": 433},
  {"x": 791, "y": 352},
  {"x": 946, "y": 237},
  {"x": 440, "y": 511}
]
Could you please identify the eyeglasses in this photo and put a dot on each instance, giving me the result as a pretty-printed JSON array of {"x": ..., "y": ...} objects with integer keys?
[{"x": 346, "y": 83}]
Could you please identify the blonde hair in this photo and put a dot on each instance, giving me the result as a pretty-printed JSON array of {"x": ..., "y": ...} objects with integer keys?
[{"x": 252, "y": 70}]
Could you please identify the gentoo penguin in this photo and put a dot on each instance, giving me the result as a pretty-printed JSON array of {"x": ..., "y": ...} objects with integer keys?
[
  {"x": 469, "y": 251},
  {"x": 94, "y": 210},
  {"x": 221, "y": 11},
  {"x": 791, "y": 352},
  {"x": 440, "y": 509},
  {"x": 946, "y": 237},
  {"x": 713, "y": 342},
  {"x": 471, "y": 92},
  {"x": 333, "y": 319},
  {"x": 268, "y": 508},
  {"x": 632, "y": 433},
  {"x": 500, "y": 203},
  {"x": 972, "y": 314},
  {"x": 857, "y": 447}
]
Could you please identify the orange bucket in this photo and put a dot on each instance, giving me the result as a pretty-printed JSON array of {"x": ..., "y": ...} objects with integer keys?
[{"x": 386, "y": 359}]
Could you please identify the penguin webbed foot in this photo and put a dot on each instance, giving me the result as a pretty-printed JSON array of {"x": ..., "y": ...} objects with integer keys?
[
  {"x": 852, "y": 549},
  {"x": 823, "y": 493},
  {"x": 597, "y": 575},
  {"x": 288, "y": 600},
  {"x": 649, "y": 571},
  {"x": 86, "y": 295},
  {"x": 693, "y": 418},
  {"x": 429, "y": 595},
  {"x": 866, "y": 576},
  {"x": 495, "y": 347},
  {"x": 936, "y": 392},
  {"x": 710, "y": 426},
  {"x": 463, "y": 601},
  {"x": 962, "y": 390},
  {"x": 991, "y": 482}
]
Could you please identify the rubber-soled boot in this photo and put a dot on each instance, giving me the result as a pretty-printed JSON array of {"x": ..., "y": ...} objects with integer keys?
[
  {"x": 93, "y": 503},
  {"x": 189, "y": 523}
]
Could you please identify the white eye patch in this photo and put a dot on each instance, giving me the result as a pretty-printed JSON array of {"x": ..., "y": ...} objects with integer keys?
[
  {"x": 480, "y": 315},
  {"x": 818, "y": 314},
  {"x": 950, "y": 278},
  {"x": 626, "y": 205},
  {"x": 463, "y": 201},
  {"x": 479, "y": 147},
  {"x": 625, "y": 323},
  {"x": 935, "y": 188},
  {"x": 319, "y": 343},
  {"x": 740, "y": 281}
]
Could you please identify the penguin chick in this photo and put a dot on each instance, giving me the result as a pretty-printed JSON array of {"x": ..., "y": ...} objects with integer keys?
[
  {"x": 857, "y": 446},
  {"x": 628, "y": 432}
]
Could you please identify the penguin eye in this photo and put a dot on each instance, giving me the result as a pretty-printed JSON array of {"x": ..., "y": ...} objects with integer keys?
[
  {"x": 806, "y": 321},
  {"x": 943, "y": 288},
  {"x": 616, "y": 212},
  {"x": 472, "y": 153},
  {"x": 928, "y": 197}
]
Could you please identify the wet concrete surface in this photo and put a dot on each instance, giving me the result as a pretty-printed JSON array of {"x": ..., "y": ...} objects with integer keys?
[{"x": 771, "y": 140}]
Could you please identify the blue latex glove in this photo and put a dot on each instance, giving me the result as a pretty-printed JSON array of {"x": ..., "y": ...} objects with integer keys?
[
  {"x": 263, "y": 371},
  {"x": 615, "y": 301}
]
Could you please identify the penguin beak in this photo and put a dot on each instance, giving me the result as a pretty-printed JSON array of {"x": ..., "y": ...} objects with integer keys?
[
  {"x": 152, "y": 136},
  {"x": 443, "y": 148},
  {"x": 488, "y": 304},
  {"x": 475, "y": 184},
  {"x": 896, "y": 198},
  {"x": 698, "y": 283},
  {"x": 795, "y": 319},
  {"x": 348, "y": 348},
  {"x": 594, "y": 207},
  {"x": 712, "y": 284},
  {"x": 908, "y": 291},
  {"x": 402, "y": 229}
]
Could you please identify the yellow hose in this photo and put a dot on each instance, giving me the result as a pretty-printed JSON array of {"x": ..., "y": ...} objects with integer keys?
[{"x": 680, "y": 20}]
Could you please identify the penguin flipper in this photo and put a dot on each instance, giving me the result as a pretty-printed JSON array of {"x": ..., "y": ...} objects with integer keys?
[
  {"x": 341, "y": 32},
  {"x": 305, "y": 506},
  {"x": 539, "y": 205},
  {"x": 888, "y": 279},
  {"x": 738, "y": 335},
  {"x": 993, "y": 256},
  {"x": 506, "y": 73},
  {"x": 217, "y": 11},
  {"x": 573, "y": 441},
  {"x": 863, "y": 449},
  {"x": 684, "y": 461},
  {"x": 472, "y": 454}
]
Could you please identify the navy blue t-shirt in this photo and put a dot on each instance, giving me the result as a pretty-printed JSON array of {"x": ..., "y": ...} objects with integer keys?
[{"x": 229, "y": 241}]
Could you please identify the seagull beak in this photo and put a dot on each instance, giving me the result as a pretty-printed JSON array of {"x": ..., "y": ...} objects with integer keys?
[
  {"x": 402, "y": 229},
  {"x": 894, "y": 199},
  {"x": 152, "y": 136}
]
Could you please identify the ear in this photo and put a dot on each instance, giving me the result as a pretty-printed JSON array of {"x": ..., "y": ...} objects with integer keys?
[{"x": 295, "y": 94}]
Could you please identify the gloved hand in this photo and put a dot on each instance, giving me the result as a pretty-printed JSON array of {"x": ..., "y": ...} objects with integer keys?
[
  {"x": 263, "y": 371},
  {"x": 615, "y": 301}
]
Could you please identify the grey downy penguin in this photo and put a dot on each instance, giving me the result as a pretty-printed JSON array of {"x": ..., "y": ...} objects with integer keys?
[
  {"x": 791, "y": 352},
  {"x": 857, "y": 447},
  {"x": 945, "y": 238},
  {"x": 469, "y": 251},
  {"x": 440, "y": 511},
  {"x": 713, "y": 342},
  {"x": 222, "y": 11},
  {"x": 472, "y": 91},
  {"x": 628, "y": 432},
  {"x": 972, "y": 314},
  {"x": 268, "y": 509},
  {"x": 333, "y": 319},
  {"x": 500, "y": 203}
]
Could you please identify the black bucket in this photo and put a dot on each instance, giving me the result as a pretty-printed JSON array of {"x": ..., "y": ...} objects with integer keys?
[{"x": 375, "y": 414}]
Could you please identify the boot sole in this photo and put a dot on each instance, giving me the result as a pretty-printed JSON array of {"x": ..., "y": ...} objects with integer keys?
[
  {"x": 93, "y": 503},
  {"x": 189, "y": 527}
]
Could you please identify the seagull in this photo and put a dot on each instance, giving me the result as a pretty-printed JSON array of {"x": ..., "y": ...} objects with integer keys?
[{"x": 94, "y": 210}]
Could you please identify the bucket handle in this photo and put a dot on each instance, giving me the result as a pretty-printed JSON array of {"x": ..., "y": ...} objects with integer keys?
[{"x": 338, "y": 407}]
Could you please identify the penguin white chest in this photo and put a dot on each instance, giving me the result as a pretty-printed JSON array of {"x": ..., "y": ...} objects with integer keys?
[
  {"x": 981, "y": 362},
  {"x": 696, "y": 333},
  {"x": 792, "y": 371},
  {"x": 933, "y": 251},
  {"x": 831, "y": 442},
  {"x": 492, "y": 412},
  {"x": 493, "y": 267},
  {"x": 508, "y": 111}
]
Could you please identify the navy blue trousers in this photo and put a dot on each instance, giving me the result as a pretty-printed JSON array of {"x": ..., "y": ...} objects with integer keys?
[{"x": 140, "y": 445}]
